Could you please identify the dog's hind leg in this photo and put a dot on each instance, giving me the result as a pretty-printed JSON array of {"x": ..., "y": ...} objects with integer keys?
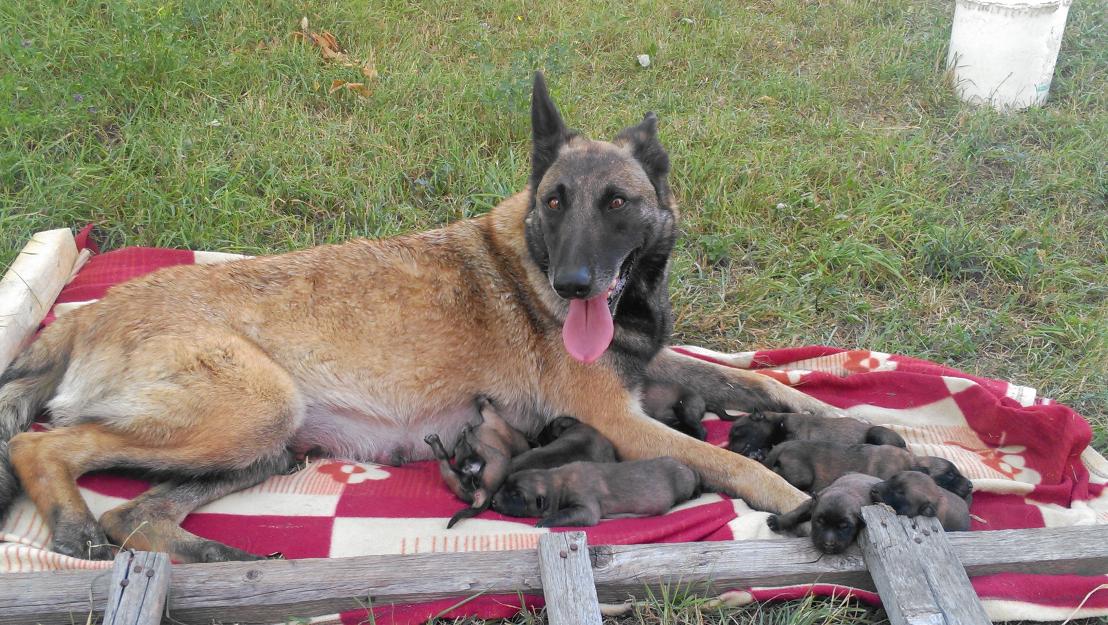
[
  {"x": 219, "y": 412},
  {"x": 151, "y": 522}
]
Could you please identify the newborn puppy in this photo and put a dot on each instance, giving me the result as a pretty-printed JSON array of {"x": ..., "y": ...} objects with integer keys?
[
  {"x": 565, "y": 440},
  {"x": 836, "y": 513},
  {"x": 812, "y": 465},
  {"x": 675, "y": 406},
  {"x": 582, "y": 493},
  {"x": 945, "y": 474},
  {"x": 755, "y": 434},
  {"x": 912, "y": 493},
  {"x": 482, "y": 459}
]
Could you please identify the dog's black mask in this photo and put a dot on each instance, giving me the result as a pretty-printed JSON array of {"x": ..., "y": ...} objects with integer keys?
[{"x": 601, "y": 221}]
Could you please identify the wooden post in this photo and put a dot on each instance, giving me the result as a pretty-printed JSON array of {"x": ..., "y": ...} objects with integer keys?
[
  {"x": 137, "y": 592},
  {"x": 567, "y": 583},
  {"x": 917, "y": 574}
]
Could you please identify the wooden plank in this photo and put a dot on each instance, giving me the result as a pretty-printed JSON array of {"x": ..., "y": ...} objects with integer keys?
[
  {"x": 916, "y": 571},
  {"x": 138, "y": 589},
  {"x": 278, "y": 589},
  {"x": 567, "y": 583},
  {"x": 31, "y": 285}
]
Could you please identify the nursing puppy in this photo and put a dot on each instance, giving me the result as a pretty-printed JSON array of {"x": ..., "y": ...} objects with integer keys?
[
  {"x": 582, "y": 493},
  {"x": 675, "y": 406},
  {"x": 563, "y": 441},
  {"x": 482, "y": 459},
  {"x": 835, "y": 513},
  {"x": 912, "y": 493},
  {"x": 755, "y": 434},
  {"x": 812, "y": 465}
]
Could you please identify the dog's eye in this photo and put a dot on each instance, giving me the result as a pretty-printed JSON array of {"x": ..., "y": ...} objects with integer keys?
[
  {"x": 553, "y": 203},
  {"x": 617, "y": 202}
]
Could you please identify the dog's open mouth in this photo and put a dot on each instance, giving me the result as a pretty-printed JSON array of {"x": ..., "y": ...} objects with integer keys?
[{"x": 589, "y": 325}]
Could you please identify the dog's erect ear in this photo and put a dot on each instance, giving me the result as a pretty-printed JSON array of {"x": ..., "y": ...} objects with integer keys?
[
  {"x": 548, "y": 131},
  {"x": 642, "y": 140}
]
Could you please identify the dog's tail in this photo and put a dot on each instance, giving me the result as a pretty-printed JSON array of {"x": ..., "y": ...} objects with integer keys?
[{"x": 25, "y": 387}]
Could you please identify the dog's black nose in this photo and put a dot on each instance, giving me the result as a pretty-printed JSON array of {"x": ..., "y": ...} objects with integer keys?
[{"x": 572, "y": 283}]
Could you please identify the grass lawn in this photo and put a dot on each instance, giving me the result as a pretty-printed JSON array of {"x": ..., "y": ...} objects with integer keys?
[{"x": 833, "y": 190}]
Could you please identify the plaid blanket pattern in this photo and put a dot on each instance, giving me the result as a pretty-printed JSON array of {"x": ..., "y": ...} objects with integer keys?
[{"x": 1028, "y": 457}]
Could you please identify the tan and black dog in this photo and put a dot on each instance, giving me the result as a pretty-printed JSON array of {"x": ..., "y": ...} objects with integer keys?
[
  {"x": 563, "y": 441},
  {"x": 755, "y": 434},
  {"x": 812, "y": 465},
  {"x": 912, "y": 493},
  {"x": 210, "y": 374},
  {"x": 582, "y": 493},
  {"x": 675, "y": 406},
  {"x": 482, "y": 459},
  {"x": 835, "y": 513}
]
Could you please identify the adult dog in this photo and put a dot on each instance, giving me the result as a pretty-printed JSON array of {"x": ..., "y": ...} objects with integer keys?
[{"x": 554, "y": 303}]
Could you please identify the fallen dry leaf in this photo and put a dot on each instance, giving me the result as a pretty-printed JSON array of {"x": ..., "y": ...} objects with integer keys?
[
  {"x": 369, "y": 68},
  {"x": 356, "y": 87}
]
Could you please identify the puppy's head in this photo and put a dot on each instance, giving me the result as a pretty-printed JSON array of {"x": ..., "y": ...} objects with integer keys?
[
  {"x": 753, "y": 435},
  {"x": 909, "y": 493},
  {"x": 529, "y": 493},
  {"x": 555, "y": 429},
  {"x": 835, "y": 524},
  {"x": 945, "y": 474}
]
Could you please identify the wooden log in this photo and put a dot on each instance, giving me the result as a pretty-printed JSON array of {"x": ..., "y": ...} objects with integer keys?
[
  {"x": 916, "y": 571},
  {"x": 269, "y": 591},
  {"x": 31, "y": 285},
  {"x": 567, "y": 583},
  {"x": 138, "y": 589}
]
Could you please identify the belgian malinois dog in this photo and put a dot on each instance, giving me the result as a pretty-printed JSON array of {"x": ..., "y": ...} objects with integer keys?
[{"x": 212, "y": 375}]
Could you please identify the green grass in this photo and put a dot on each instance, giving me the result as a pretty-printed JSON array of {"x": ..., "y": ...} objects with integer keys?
[{"x": 833, "y": 189}]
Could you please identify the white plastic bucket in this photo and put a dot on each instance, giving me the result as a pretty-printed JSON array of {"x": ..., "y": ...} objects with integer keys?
[{"x": 1002, "y": 52}]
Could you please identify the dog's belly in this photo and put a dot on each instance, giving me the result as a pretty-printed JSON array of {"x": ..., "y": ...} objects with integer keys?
[{"x": 364, "y": 434}]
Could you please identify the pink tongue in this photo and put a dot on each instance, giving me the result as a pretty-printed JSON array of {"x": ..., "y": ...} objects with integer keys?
[{"x": 588, "y": 329}]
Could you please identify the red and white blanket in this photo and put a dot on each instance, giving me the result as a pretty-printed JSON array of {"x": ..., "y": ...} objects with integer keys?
[{"x": 1028, "y": 458}]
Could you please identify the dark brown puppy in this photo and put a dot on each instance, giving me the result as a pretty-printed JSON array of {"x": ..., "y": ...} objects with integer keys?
[
  {"x": 563, "y": 441},
  {"x": 912, "y": 493},
  {"x": 676, "y": 406},
  {"x": 836, "y": 513},
  {"x": 582, "y": 493},
  {"x": 755, "y": 434},
  {"x": 482, "y": 459},
  {"x": 813, "y": 465}
]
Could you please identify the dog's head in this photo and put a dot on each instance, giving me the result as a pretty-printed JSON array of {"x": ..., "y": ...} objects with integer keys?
[
  {"x": 529, "y": 493},
  {"x": 945, "y": 474},
  {"x": 601, "y": 219},
  {"x": 835, "y": 523},
  {"x": 753, "y": 435},
  {"x": 909, "y": 493},
  {"x": 554, "y": 430}
]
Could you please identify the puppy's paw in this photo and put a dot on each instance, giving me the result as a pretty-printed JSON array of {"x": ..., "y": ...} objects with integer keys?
[{"x": 774, "y": 522}]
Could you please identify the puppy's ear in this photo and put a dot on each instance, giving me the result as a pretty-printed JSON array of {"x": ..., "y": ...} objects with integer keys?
[
  {"x": 928, "y": 509},
  {"x": 642, "y": 140},
  {"x": 922, "y": 467},
  {"x": 548, "y": 131}
]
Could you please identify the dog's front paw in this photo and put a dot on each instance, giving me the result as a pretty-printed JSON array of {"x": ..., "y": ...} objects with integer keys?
[{"x": 82, "y": 539}]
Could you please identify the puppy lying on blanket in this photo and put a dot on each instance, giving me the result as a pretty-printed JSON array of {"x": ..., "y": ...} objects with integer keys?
[
  {"x": 582, "y": 493},
  {"x": 836, "y": 513},
  {"x": 482, "y": 459},
  {"x": 912, "y": 493},
  {"x": 814, "y": 465},
  {"x": 754, "y": 435},
  {"x": 563, "y": 441},
  {"x": 677, "y": 407}
]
